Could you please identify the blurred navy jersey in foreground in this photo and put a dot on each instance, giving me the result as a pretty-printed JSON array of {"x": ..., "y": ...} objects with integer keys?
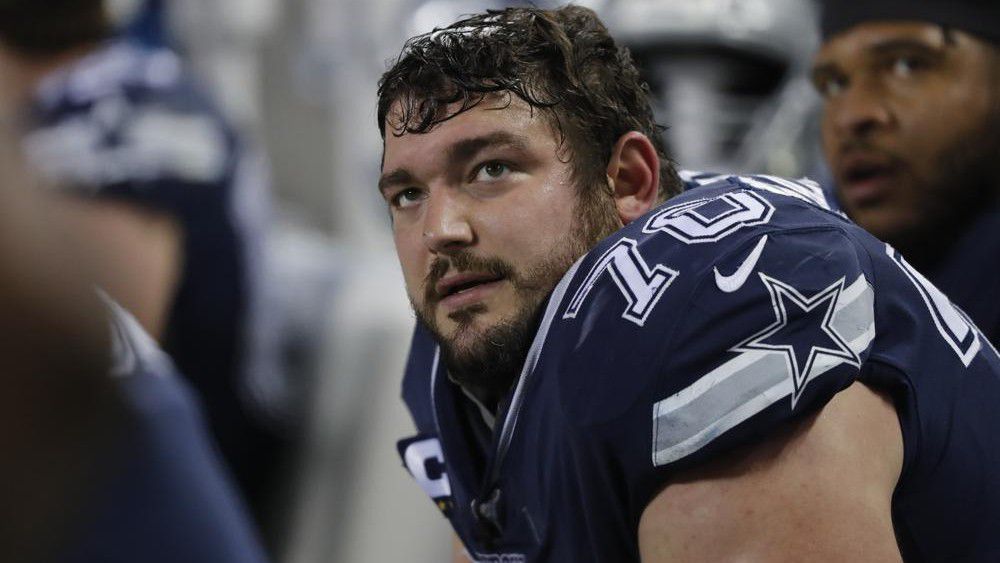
[
  {"x": 162, "y": 494},
  {"x": 707, "y": 325},
  {"x": 126, "y": 123}
]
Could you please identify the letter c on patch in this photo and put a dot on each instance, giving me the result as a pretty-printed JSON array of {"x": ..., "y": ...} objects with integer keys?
[{"x": 425, "y": 461}]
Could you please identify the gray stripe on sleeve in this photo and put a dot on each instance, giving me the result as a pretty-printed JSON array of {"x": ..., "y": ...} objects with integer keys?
[{"x": 749, "y": 383}]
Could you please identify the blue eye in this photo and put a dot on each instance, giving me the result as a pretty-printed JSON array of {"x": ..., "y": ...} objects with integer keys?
[
  {"x": 406, "y": 198},
  {"x": 491, "y": 171}
]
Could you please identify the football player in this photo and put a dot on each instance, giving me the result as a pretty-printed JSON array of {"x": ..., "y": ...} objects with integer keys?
[
  {"x": 911, "y": 130},
  {"x": 737, "y": 373},
  {"x": 106, "y": 458},
  {"x": 169, "y": 205}
]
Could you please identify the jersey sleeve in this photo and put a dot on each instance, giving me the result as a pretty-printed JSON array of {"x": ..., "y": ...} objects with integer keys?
[
  {"x": 161, "y": 492},
  {"x": 159, "y": 145},
  {"x": 784, "y": 343},
  {"x": 741, "y": 342}
]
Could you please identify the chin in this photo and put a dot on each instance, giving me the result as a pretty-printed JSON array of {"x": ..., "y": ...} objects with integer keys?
[{"x": 465, "y": 318}]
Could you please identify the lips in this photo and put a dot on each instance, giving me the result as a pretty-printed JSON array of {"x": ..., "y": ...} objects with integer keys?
[
  {"x": 461, "y": 283},
  {"x": 463, "y": 289},
  {"x": 866, "y": 178}
]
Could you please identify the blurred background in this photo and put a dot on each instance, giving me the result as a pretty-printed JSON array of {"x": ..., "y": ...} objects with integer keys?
[{"x": 298, "y": 79}]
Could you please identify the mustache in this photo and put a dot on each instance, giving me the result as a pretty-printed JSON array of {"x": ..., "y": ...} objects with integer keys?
[
  {"x": 855, "y": 145},
  {"x": 464, "y": 261}
]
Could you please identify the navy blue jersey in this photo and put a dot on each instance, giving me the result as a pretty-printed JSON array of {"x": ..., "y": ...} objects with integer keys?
[
  {"x": 162, "y": 495},
  {"x": 127, "y": 123},
  {"x": 968, "y": 270},
  {"x": 705, "y": 325},
  {"x": 691, "y": 179}
]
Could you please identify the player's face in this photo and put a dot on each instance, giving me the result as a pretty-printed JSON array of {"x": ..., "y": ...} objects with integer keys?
[
  {"x": 486, "y": 220},
  {"x": 909, "y": 124}
]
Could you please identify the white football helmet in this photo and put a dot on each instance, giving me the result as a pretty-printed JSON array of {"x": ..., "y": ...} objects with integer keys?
[{"x": 729, "y": 77}]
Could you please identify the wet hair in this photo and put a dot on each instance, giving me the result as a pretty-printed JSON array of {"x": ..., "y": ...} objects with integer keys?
[
  {"x": 48, "y": 27},
  {"x": 561, "y": 62}
]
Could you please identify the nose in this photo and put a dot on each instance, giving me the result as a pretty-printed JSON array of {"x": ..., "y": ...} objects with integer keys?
[
  {"x": 859, "y": 111},
  {"x": 446, "y": 226}
]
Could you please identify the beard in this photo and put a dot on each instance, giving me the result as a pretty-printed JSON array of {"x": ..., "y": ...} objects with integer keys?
[
  {"x": 487, "y": 361},
  {"x": 966, "y": 182}
]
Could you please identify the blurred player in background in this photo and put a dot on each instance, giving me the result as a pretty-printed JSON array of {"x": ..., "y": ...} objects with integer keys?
[
  {"x": 106, "y": 455},
  {"x": 911, "y": 130},
  {"x": 169, "y": 206},
  {"x": 730, "y": 78},
  {"x": 737, "y": 373}
]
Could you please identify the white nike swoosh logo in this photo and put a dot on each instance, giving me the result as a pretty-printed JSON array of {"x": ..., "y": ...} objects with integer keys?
[{"x": 735, "y": 281}]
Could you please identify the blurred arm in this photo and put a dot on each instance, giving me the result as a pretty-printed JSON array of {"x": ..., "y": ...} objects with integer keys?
[
  {"x": 819, "y": 492},
  {"x": 135, "y": 254},
  {"x": 58, "y": 406}
]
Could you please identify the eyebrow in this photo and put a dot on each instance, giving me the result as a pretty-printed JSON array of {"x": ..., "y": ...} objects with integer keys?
[
  {"x": 457, "y": 154},
  {"x": 466, "y": 149},
  {"x": 394, "y": 178},
  {"x": 894, "y": 45},
  {"x": 883, "y": 47}
]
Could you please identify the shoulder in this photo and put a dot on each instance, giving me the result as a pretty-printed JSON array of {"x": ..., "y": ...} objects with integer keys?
[
  {"x": 126, "y": 113},
  {"x": 110, "y": 69},
  {"x": 805, "y": 187},
  {"x": 718, "y": 239},
  {"x": 718, "y": 314}
]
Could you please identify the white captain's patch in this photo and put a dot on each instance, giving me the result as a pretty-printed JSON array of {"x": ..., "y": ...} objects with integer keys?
[
  {"x": 425, "y": 461},
  {"x": 809, "y": 336}
]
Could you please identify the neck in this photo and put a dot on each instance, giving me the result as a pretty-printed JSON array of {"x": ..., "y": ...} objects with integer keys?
[{"x": 488, "y": 398}]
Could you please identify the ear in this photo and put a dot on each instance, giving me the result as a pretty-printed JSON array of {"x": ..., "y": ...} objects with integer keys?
[{"x": 634, "y": 175}]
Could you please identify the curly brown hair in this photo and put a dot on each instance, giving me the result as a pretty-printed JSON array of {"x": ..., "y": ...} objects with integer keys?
[{"x": 561, "y": 61}]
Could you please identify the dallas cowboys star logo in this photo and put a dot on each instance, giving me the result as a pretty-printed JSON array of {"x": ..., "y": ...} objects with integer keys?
[{"x": 802, "y": 331}]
